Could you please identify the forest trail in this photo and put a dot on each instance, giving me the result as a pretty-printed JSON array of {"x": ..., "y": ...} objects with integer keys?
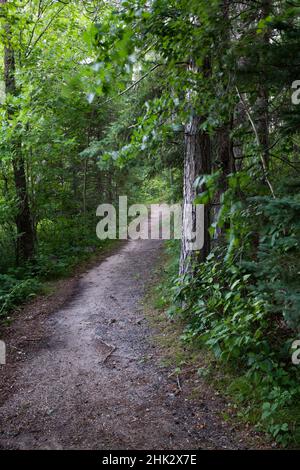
[{"x": 95, "y": 382}]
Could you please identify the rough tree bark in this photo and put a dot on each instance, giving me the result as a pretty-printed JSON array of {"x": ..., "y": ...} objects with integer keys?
[
  {"x": 224, "y": 145},
  {"x": 25, "y": 231},
  {"x": 197, "y": 161},
  {"x": 262, "y": 102},
  {"x": 224, "y": 163}
]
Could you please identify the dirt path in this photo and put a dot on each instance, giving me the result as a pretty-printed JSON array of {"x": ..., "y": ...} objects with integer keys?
[{"x": 94, "y": 380}]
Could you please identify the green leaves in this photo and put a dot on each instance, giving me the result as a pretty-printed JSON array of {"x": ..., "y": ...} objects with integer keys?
[
  {"x": 14, "y": 291},
  {"x": 263, "y": 24},
  {"x": 226, "y": 315}
]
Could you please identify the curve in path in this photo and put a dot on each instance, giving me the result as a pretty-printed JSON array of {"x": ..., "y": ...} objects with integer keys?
[{"x": 96, "y": 383}]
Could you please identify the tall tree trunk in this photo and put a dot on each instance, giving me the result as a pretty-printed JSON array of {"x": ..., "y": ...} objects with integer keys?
[
  {"x": 224, "y": 155},
  {"x": 197, "y": 161},
  {"x": 224, "y": 145},
  {"x": 25, "y": 232},
  {"x": 85, "y": 173},
  {"x": 262, "y": 102},
  {"x": 222, "y": 139}
]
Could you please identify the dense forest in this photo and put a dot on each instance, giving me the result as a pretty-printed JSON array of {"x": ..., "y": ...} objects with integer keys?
[{"x": 164, "y": 101}]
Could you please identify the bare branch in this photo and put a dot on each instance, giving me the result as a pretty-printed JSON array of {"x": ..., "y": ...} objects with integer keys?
[{"x": 30, "y": 49}]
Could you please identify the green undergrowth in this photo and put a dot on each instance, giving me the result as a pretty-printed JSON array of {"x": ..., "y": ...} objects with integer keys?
[{"x": 245, "y": 353}]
